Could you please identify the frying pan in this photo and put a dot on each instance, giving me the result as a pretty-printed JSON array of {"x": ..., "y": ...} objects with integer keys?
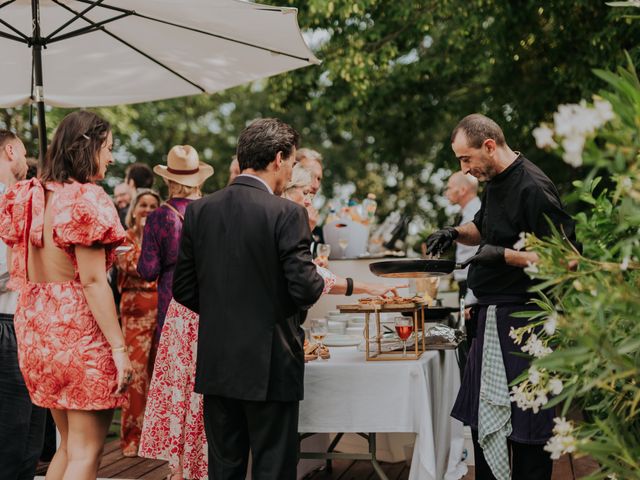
[{"x": 414, "y": 268}]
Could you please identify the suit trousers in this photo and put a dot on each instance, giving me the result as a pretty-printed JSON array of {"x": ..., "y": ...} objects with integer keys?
[
  {"x": 528, "y": 462},
  {"x": 268, "y": 429},
  {"x": 21, "y": 422}
]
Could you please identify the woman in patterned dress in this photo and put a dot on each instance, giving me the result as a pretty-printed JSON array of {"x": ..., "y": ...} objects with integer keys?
[
  {"x": 63, "y": 230},
  {"x": 173, "y": 427},
  {"x": 162, "y": 230},
  {"x": 138, "y": 308}
]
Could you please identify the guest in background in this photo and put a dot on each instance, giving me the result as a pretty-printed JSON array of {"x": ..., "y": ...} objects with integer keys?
[
  {"x": 122, "y": 194},
  {"x": 184, "y": 175},
  {"x": 138, "y": 315},
  {"x": 311, "y": 160},
  {"x": 21, "y": 422},
  {"x": 462, "y": 189},
  {"x": 63, "y": 230},
  {"x": 138, "y": 175}
]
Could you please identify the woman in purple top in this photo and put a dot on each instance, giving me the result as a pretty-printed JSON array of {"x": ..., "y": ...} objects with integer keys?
[{"x": 184, "y": 175}]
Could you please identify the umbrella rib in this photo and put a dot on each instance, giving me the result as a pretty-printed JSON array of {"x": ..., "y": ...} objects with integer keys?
[
  {"x": 22, "y": 39},
  {"x": 85, "y": 30},
  {"x": 124, "y": 42},
  {"x": 204, "y": 32},
  {"x": 69, "y": 22},
  {"x": 9, "y": 2},
  {"x": 14, "y": 29}
]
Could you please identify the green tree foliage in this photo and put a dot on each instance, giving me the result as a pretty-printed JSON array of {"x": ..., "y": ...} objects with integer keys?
[{"x": 395, "y": 78}]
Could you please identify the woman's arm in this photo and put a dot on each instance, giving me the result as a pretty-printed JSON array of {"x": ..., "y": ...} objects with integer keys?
[
  {"x": 91, "y": 262},
  {"x": 149, "y": 262}
]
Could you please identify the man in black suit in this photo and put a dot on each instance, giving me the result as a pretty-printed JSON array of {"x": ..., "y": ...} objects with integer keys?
[{"x": 246, "y": 268}]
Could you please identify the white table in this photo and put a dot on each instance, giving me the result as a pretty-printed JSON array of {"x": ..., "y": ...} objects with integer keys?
[{"x": 349, "y": 394}]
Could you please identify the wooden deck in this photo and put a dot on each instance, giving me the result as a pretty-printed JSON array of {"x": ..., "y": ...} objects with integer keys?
[{"x": 115, "y": 465}]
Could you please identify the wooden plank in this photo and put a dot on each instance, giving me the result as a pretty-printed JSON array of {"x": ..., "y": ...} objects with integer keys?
[
  {"x": 116, "y": 468},
  {"x": 147, "y": 469}
]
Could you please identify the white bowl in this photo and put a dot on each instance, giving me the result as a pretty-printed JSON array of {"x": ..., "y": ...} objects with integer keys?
[{"x": 355, "y": 331}]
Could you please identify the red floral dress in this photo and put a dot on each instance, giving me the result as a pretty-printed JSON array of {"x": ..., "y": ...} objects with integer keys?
[
  {"x": 138, "y": 312},
  {"x": 173, "y": 428},
  {"x": 63, "y": 355}
]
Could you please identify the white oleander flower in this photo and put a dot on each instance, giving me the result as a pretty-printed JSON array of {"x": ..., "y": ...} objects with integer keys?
[
  {"x": 531, "y": 268},
  {"x": 562, "y": 426},
  {"x": 551, "y": 323},
  {"x": 544, "y": 137},
  {"x": 573, "y": 147},
  {"x": 603, "y": 107},
  {"x": 534, "y": 375},
  {"x": 535, "y": 347},
  {"x": 555, "y": 385},
  {"x": 520, "y": 244},
  {"x": 562, "y": 441}
]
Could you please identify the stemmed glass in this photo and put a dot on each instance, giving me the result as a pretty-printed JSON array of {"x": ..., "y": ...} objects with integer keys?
[
  {"x": 319, "y": 330},
  {"x": 324, "y": 250},
  {"x": 404, "y": 329},
  {"x": 344, "y": 243}
]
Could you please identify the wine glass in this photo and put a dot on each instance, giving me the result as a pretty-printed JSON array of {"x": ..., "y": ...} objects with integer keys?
[
  {"x": 319, "y": 329},
  {"x": 344, "y": 243},
  {"x": 404, "y": 329},
  {"x": 324, "y": 250}
]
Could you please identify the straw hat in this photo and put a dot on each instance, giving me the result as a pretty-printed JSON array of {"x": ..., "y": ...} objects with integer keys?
[{"x": 183, "y": 167}]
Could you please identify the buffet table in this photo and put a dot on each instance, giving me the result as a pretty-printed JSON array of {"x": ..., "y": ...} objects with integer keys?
[{"x": 349, "y": 394}]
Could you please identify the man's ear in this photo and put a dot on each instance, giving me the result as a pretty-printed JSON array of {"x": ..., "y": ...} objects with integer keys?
[
  {"x": 489, "y": 145},
  {"x": 278, "y": 161}
]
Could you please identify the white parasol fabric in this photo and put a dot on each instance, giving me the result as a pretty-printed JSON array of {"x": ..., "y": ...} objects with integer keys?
[{"x": 129, "y": 51}]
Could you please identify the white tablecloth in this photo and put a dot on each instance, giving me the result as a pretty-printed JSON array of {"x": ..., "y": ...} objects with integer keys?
[{"x": 349, "y": 394}]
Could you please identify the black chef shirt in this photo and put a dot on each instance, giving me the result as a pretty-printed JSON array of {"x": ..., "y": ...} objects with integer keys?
[{"x": 516, "y": 200}]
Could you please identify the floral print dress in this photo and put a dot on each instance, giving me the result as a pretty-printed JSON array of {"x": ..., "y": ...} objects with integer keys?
[
  {"x": 138, "y": 309},
  {"x": 173, "y": 427},
  {"x": 64, "y": 357}
]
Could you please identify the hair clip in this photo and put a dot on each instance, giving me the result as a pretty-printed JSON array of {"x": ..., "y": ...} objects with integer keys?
[{"x": 86, "y": 136}]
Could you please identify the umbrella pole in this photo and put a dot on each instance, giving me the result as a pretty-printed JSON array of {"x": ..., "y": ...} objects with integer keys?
[{"x": 37, "y": 72}]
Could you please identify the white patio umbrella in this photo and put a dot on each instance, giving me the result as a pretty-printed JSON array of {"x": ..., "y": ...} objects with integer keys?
[{"x": 87, "y": 53}]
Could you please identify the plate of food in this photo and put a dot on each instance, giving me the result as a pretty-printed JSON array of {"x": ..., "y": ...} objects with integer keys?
[{"x": 337, "y": 340}]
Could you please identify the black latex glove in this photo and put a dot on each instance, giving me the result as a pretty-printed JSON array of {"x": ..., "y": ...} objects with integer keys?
[
  {"x": 441, "y": 240},
  {"x": 487, "y": 255}
]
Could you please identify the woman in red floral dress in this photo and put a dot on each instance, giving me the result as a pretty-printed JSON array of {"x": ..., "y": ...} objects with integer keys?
[
  {"x": 138, "y": 310},
  {"x": 63, "y": 230}
]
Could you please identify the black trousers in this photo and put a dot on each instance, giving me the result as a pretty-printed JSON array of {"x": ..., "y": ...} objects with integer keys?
[
  {"x": 21, "y": 422},
  {"x": 268, "y": 429},
  {"x": 528, "y": 462}
]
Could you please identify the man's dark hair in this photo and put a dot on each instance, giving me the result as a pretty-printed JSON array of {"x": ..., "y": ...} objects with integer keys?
[
  {"x": 141, "y": 174},
  {"x": 74, "y": 150},
  {"x": 6, "y": 136},
  {"x": 260, "y": 142},
  {"x": 478, "y": 128}
]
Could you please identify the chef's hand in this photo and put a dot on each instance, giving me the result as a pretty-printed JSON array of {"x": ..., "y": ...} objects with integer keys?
[
  {"x": 487, "y": 255},
  {"x": 441, "y": 240}
]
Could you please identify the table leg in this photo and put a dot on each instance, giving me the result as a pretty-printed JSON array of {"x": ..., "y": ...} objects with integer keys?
[
  {"x": 374, "y": 460},
  {"x": 332, "y": 446}
]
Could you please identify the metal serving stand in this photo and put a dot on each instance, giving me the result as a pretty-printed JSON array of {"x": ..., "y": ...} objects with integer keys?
[{"x": 415, "y": 308}]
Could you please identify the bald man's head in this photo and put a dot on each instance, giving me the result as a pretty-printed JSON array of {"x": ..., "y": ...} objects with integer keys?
[{"x": 461, "y": 188}]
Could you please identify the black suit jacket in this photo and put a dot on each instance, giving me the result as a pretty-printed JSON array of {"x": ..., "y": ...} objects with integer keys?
[{"x": 245, "y": 266}]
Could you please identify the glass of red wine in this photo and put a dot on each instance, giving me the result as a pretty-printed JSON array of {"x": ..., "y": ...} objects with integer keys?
[{"x": 404, "y": 329}]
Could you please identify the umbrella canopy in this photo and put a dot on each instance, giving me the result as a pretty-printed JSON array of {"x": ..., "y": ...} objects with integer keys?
[
  {"x": 87, "y": 53},
  {"x": 109, "y": 52}
]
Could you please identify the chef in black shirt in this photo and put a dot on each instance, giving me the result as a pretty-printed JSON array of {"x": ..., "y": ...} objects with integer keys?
[{"x": 518, "y": 197}]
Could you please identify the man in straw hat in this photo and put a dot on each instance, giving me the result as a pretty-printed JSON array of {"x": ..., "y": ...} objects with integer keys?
[
  {"x": 184, "y": 175},
  {"x": 246, "y": 268}
]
